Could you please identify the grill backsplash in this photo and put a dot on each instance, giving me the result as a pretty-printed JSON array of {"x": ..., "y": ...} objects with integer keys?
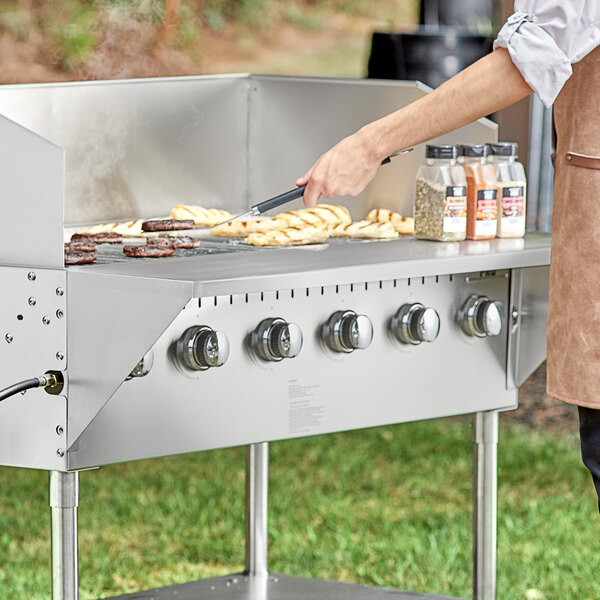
[{"x": 135, "y": 148}]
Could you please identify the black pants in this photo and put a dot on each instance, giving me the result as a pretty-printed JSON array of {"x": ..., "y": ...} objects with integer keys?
[{"x": 589, "y": 429}]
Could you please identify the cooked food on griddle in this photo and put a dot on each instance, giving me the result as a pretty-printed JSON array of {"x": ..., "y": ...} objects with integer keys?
[
  {"x": 403, "y": 225},
  {"x": 80, "y": 246},
  {"x": 145, "y": 251},
  {"x": 312, "y": 233},
  {"x": 241, "y": 229},
  {"x": 125, "y": 229},
  {"x": 168, "y": 224},
  {"x": 76, "y": 257},
  {"x": 164, "y": 241},
  {"x": 322, "y": 214},
  {"x": 97, "y": 238},
  {"x": 202, "y": 217},
  {"x": 365, "y": 229}
]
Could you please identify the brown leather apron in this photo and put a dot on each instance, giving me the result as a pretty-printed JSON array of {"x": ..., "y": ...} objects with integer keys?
[{"x": 574, "y": 311}]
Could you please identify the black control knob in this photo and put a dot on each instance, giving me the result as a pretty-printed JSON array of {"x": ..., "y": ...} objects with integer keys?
[
  {"x": 201, "y": 348},
  {"x": 276, "y": 339},
  {"x": 414, "y": 323},
  {"x": 346, "y": 331},
  {"x": 481, "y": 317}
]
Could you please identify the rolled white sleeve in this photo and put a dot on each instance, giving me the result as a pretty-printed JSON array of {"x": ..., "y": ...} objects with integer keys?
[{"x": 545, "y": 37}]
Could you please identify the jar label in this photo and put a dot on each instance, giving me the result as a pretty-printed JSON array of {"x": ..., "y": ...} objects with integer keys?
[
  {"x": 487, "y": 212},
  {"x": 513, "y": 209},
  {"x": 455, "y": 209}
]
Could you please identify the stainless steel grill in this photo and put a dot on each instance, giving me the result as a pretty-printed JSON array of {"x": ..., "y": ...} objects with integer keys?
[{"x": 249, "y": 345}]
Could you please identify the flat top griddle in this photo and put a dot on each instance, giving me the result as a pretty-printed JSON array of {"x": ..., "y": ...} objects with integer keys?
[{"x": 214, "y": 271}]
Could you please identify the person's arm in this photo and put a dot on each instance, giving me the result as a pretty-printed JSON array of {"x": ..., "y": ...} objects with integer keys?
[{"x": 488, "y": 85}]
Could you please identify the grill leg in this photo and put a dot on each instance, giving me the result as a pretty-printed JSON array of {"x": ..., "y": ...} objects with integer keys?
[
  {"x": 257, "y": 490},
  {"x": 64, "y": 498},
  {"x": 485, "y": 489}
]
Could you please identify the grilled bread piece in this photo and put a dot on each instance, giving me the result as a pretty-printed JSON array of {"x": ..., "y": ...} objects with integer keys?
[
  {"x": 126, "y": 228},
  {"x": 291, "y": 236},
  {"x": 322, "y": 213},
  {"x": 203, "y": 217},
  {"x": 403, "y": 225},
  {"x": 365, "y": 229},
  {"x": 241, "y": 229}
]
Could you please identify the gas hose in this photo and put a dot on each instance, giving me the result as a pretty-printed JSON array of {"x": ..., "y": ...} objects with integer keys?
[{"x": 48, "y": 381}]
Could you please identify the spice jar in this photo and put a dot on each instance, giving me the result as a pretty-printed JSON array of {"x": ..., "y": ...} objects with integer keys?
[
  {"x": 482, "y": 191},
  {"x": 512, "y": 189},
  {"x": 440, "y": 208}
]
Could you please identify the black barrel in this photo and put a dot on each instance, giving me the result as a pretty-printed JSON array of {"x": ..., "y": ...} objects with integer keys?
[{"x": 428, "y": 56}]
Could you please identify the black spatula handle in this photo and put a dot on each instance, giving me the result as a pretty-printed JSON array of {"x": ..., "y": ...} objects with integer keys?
[{"x": 262, "y": 207}]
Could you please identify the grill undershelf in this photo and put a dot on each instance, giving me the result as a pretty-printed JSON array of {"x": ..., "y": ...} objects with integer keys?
[{"x": 275, "y": 587}]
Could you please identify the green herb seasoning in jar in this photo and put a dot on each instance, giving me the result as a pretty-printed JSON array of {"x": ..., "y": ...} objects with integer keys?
[{"x": 441, "y": 196}]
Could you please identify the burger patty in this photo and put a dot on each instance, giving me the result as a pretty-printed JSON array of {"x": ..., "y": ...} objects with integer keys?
[
  {"x": 174, "y": 242},
  {"x": 147, "y": 251},
  {"x": 168, "y": 225},
  {"x": 98, "y": 238},
  {"x": 80, "y": 246},
  {"x": 75, "y": 257}
]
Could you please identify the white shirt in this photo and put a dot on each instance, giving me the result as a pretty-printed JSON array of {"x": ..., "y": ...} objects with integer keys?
[{"x": 545, "y": 37}]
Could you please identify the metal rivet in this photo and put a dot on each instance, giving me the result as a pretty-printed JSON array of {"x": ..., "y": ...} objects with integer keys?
[
  {"x": 60, "y": 356},
  {"x": 569, "y": 157},
  {"x": 46, "y": 320},
  {"x": 23, "y": 392},
  {"x": 60, "y": 314},
  {"x": 60, "y": 291},
  {"x": 31, "y": 276},
  {"x": 60, "y": 452},
  {"x": 59, "y": 429},
  {"x": 32, "y": 301},
  {"x": 9, "y": 338}
]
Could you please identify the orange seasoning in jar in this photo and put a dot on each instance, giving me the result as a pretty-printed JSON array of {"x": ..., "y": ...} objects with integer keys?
[{"x": 482, "y": 192}]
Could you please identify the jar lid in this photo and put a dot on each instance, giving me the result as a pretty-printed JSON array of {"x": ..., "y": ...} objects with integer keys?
[
  {"x": 504, "y": 149},
  {"x": 476, "y": 150},
  {"x": 441, "y": 151}
]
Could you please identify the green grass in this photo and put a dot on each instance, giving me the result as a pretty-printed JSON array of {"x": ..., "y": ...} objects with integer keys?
[{"x": 388, "y": 506}]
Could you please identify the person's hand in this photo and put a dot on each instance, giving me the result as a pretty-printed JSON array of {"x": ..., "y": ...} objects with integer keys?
[{"x": 346, "y": 169}]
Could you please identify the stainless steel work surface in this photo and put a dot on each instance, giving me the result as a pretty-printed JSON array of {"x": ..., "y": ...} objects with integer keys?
[
  {"x": 331, "y": 264},
  {"x": 275, "y": 587}
]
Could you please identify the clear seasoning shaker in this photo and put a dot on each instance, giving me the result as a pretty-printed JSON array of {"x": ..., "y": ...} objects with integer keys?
[
  {"x": 512, "y": 189},
  {"x": 441, "y": 196},
  {"x": 482, "y": 192}
]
